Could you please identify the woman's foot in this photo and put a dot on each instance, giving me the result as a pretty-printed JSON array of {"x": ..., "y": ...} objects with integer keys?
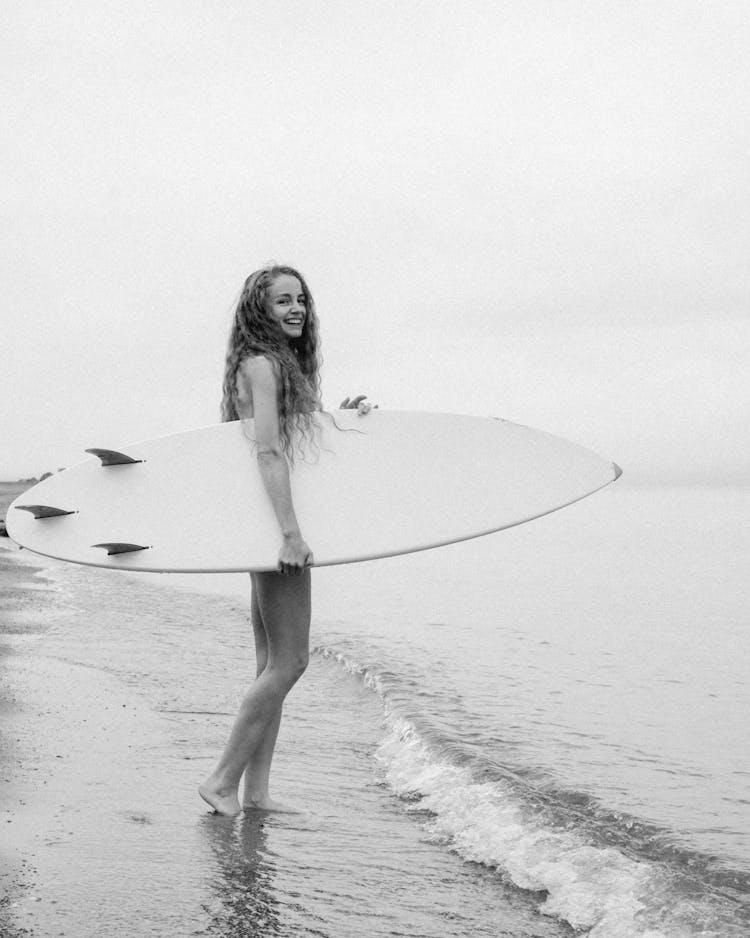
[{"x": 223, "y": 801}]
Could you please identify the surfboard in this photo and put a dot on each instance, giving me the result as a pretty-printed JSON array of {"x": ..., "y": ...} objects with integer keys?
[{"x": 387, "y": 483}]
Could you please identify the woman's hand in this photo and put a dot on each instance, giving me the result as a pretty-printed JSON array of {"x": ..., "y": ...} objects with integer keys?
[
  {"x": 358, "y": 403},
  {"x": 294, "y": 555}
]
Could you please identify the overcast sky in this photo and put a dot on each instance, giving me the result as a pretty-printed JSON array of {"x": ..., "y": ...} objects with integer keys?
[{"x": 536, "y": 210}]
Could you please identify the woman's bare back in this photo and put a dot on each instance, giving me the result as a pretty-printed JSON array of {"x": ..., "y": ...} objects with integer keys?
[{"x": 244, "y": 396}]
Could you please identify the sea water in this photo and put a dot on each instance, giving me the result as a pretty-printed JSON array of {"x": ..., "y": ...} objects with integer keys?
[{"x": 535, "y": 732}]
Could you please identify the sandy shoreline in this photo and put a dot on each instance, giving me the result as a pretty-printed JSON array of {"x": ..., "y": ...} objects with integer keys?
[
  {"x": 81, "y": 774},
  {"x": 117, "y": 699},
  {"x": 93, "y": 789},
  {"x": 17, "y": 620}
]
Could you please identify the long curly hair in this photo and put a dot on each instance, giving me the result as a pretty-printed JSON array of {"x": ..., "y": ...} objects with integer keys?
[{"x": 255, "y": 332}]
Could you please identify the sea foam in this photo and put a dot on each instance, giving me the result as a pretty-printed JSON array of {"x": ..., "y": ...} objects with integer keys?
[{"x": 504, "y": 824}]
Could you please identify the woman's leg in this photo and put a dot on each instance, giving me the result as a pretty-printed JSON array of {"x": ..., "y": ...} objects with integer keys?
[
  {"x": 258, "y": 768},
  {"x": 284, "y": 605}
]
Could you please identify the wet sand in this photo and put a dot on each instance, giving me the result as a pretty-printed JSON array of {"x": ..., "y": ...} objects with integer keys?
[
  {"x": 94, "y": 793},
  {"x": 116, "y": 702},
  {"x": 70, "y": 744}
]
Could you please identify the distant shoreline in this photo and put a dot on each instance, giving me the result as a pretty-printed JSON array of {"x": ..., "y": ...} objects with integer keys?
[{"x": 8, "y": 492}]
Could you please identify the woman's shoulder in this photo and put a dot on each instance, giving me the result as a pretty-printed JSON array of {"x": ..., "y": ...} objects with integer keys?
[{"x": 258, "y": 366}]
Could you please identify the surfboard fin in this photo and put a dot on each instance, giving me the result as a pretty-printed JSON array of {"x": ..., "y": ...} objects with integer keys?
[
  {"x": 44, "y": 511},
  {"x": 111, "y": 457},
  {"x": 120, "y": 548}
]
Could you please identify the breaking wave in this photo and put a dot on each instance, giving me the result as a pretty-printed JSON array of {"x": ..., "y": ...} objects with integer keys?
[{"x": 605, "y": 873}]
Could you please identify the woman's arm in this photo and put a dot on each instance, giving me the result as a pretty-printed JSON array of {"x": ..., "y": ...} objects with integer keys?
[{"x": 259, "y": 372}]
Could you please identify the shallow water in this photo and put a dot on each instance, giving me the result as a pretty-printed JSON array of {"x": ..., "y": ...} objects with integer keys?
[
  {"x": 515, "y": 735},
  {"x": 130, "y": 700}
]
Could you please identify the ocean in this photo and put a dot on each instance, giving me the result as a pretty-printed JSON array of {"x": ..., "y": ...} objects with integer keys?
[{"x": 542, "y": 732}]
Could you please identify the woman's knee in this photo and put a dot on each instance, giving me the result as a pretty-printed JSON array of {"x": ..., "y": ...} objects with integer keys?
[
  {"x": 261, "y": 660},
  {"x": 294, "y": 666},
  {"x": 299, "y": 663}
]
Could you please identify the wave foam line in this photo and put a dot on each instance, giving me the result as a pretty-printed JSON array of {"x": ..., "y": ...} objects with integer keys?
[{"x": 594, "y": 887}]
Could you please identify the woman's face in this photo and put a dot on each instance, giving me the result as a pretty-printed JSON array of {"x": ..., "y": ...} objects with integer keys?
[{"x": 285, "y": 302}]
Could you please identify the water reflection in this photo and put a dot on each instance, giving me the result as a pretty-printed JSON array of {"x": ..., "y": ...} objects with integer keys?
[{"x": 244, "y": 874}]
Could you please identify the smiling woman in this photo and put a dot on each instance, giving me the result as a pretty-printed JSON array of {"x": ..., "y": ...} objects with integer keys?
[
  {"x": 286, "y": 302},
  {"x": 275, "y": 320},
  {"x": 272, "y": 376}
]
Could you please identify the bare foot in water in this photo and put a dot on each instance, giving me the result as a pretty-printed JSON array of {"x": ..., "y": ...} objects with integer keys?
[
  {"x": 266, "y": 803},
  {"x": 223, "y": 802}
]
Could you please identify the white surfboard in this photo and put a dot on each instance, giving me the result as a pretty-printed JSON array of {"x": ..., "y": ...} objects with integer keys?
[{"x": 387, "y": 483}]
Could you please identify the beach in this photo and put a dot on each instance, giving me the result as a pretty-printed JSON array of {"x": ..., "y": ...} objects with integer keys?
[
  {"x": 104, "y": 829},
  {"x": 549, "y": 746},
  {"x": 526, "y": 212}
]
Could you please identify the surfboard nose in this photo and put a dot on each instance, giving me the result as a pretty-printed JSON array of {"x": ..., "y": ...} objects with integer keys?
[{"x": 618, "y": 472}]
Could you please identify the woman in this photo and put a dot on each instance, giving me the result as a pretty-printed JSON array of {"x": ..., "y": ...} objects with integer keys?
[{"x": 272, "y": 374}]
